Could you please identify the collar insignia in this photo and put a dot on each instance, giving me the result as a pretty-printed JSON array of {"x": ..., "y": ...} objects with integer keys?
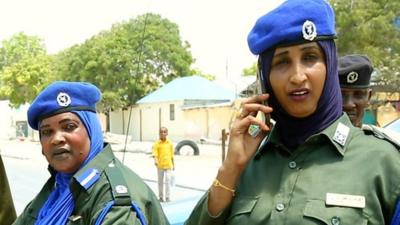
[{"x": 341, "y": 134}]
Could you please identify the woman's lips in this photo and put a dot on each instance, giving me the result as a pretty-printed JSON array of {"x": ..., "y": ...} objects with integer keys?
[
  {"x": 60, "y": 153},
  {"x": 299, "y": 94}
]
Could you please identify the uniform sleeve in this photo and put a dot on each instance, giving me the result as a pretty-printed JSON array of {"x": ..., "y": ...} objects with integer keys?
[
  {"x": 22, "y": 218},
  {"x": 7, "y": 210},
  {"x": 200, "y": 215},
  {"x": 125, "y": 215},
  {"x": 154, "y": 213},
  {"x": 120, "y": 215}
]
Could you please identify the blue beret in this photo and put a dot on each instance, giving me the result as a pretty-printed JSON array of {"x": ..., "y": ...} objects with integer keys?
[
  {"x": 293, "y": 22},
  {"x": 355, "y": 71},
  {"x": 60, "y": 97}
]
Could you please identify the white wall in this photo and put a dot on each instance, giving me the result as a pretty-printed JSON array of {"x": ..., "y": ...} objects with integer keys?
[
  {"x": 158, "y": 114},
  {"x": 7, "y": 123},
  {"x": 8, "y": 118}
]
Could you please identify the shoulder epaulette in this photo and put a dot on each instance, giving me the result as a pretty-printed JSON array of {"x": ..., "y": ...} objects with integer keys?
[
  {"x": 120, "y": 194},
  {"x": 380, "y": 134},
  {"x": 120, "y": 191}
]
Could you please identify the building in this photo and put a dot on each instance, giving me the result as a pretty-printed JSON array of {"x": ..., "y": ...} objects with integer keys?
[{"x": 190, "y": 107}]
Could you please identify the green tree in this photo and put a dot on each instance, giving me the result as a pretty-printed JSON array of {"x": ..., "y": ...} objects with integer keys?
[
  {"x": 130, "y": 60},
  {"x": 367, "y": 27},
  {"x": 198, "y": 72},
  {"x": 25, "y": 68},
  {"x": 250, "y": 71}
]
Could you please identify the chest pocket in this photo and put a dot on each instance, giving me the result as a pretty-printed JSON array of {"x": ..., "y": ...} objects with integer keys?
[
  {"x": 316, "y": 210},
  {"x": 241, "y": 210}
]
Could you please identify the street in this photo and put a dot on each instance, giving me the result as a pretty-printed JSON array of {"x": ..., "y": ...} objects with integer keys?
[{"x": 27, "y": 169}]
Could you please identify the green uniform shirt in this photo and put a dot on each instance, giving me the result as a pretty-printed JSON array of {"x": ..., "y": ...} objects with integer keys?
[
  {"x": 7, "y": 210},
  {"x": 89, "y": 203},
  {"x": 280, "y": 187}
]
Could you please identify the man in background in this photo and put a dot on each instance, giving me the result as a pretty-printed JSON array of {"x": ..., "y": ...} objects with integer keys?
[
  {"x": 354, "y": 76},
  {"x": 163, "y": 153}
]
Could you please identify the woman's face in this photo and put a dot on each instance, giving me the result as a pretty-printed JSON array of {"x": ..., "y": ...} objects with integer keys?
[
  {"x": 297, "y": 78},
  {"x": 65, "y": 142}
]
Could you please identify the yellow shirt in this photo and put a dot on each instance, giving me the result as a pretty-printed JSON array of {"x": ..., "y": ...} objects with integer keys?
[{"x": 163, "y": 153}]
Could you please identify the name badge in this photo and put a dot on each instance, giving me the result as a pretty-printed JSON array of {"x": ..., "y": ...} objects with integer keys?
[{"x": 355, "y": 201}]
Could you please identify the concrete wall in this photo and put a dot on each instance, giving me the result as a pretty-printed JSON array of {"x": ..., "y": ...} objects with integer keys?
[
  {"x": 386, "y": 114},
  {"x": 7, "y": 122},
  {"x": 146, "y": 120},
  {"x": 207, "y": 122}
]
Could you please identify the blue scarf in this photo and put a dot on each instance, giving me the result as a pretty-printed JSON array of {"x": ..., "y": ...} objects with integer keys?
[
  {"x": 294, "y": 131},
  {"x": 60, "y": 203}
]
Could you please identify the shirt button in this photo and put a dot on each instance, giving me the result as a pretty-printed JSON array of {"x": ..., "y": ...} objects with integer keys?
[
  {"x": 335, "y": 220},
  {"x": 292, "y": 165},
  {"x": 280, "y": 207}
]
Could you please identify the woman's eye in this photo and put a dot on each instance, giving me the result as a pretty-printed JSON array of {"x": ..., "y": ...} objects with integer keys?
[
  {"x": 45, "y": 132},
  {"x": 70, "y": 126},
  {"x": 281, "y": 62},
  {"x": 310, "y": 57}
]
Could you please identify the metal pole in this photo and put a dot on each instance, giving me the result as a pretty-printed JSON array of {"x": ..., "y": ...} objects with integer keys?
[{"x": 224, "y": 135}]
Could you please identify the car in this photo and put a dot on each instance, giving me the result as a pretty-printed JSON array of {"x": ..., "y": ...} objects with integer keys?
[
  {"x": 179, "y": 211},
  {"x": 394, "y": 125},
  {"x": 392, "y": 129}
]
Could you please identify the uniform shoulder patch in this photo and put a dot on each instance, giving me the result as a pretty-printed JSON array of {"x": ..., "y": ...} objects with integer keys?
[
  {"x": 119, "y": 187},
  {"x": 378, "y": 133}
]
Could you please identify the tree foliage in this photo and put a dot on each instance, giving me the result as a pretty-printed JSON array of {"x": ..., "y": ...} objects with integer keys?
[
  {"x": 24, "y": 68},
  {"x": 368, "y": 27},
  {"x": 250, "y": 71},
  {"x": 130, "y": 60}
]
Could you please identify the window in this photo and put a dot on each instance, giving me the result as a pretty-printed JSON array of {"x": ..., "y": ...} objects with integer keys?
[{"x": 171, "y": 112}]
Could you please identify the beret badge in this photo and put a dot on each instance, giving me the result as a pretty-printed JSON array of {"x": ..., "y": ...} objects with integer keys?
[
  {"x": 352, "y": 77},
  {"x": 63, "y": 99},
  {"x": 309, "y": 30}
]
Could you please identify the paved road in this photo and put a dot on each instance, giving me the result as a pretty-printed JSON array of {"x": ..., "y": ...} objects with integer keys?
[{"x": 27, "y": 169}]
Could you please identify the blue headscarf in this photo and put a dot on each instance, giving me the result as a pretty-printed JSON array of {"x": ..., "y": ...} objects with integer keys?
[
  {"x": 294, "y": 131},
  {"x": 60, "y": 203}
]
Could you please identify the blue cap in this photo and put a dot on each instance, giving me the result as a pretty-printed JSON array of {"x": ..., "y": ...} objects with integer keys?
[
  {"x": 293, "y": 22},
  {"x": 60, "y": 97}
]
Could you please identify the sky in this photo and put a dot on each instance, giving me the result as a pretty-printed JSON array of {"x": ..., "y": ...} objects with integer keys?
[{"x": 216, "y": 29}]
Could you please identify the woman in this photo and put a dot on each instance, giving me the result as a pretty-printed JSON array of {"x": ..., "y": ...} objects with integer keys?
[
  {"x": 88, "y": 184},
  {"x": 314, "y": 167}
]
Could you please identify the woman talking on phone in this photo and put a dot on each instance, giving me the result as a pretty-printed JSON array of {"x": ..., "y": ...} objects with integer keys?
[{"x": 314, "y": 167}]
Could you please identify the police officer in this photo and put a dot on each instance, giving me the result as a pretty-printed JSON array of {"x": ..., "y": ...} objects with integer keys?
[
  {"x": 7, "y": 210},
  {"x": 354, "y": 76},
  {"x": 314, "y": 167},
  {"x": 88, "y": 184}
]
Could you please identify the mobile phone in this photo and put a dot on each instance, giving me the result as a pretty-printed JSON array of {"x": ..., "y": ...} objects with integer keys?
[{"x": 262, "y": 89}]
